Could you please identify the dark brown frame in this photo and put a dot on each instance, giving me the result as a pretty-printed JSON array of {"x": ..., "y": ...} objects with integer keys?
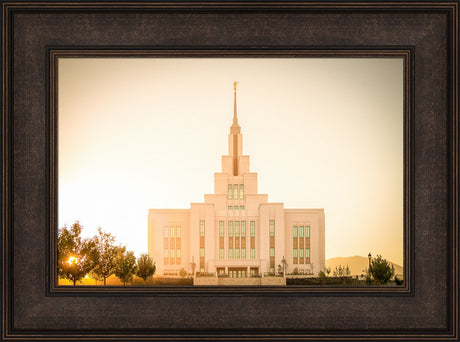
[{"x": 424, "y": 34}]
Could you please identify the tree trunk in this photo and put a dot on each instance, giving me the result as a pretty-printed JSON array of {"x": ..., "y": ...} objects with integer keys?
[
  {"x": 104, "y": 281},
  {"x": 74, "y": 281},
  {"x": 124, "y": 282}
]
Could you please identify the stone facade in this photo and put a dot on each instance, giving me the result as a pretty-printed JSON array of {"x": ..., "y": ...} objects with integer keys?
[{"x": 236, "y": 232}]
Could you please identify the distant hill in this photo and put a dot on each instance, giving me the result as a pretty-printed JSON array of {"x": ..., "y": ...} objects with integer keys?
[{"x": 356, "y": 264}]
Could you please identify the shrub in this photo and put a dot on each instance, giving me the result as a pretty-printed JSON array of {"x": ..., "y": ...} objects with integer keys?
[
  {"x": 398, "y": 281},
  {"x": 381, "y": 270}
]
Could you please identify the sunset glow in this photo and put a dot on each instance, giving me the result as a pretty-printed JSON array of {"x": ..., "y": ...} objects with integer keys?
[
  {"x": 148, "y": 133},
  {"x": 72, "y": 260}
]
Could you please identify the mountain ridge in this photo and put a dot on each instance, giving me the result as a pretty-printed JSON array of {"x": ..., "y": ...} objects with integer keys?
[{"x": 357, "y": 264}]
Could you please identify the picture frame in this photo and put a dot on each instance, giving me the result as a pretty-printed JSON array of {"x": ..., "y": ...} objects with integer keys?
[
  {"x": 34, "y": 34},
  {"x": 60, "y": 57}
]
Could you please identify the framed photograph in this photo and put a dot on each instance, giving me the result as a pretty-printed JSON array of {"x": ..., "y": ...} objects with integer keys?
[
  {"x": 237, "y": 236},
  {"x": 131, "y": 116}
]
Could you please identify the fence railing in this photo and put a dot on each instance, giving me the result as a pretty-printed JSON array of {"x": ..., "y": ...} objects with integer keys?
[
  {"x": 272, "y": 274},
  {"x": 226, "y": 275},
  {"x": 205, "y": 274}
]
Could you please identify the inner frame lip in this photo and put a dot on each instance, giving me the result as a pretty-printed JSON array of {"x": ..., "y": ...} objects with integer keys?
[{"x": 406, "y": 53}]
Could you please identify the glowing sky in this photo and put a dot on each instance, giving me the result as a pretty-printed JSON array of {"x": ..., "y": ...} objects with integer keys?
[{"x": 148, "y": 133}]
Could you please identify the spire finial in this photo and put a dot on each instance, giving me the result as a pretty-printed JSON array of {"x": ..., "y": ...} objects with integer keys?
[
  {"x": 234, "y": 86},
  {"x": 235, "y": 128},
  {"x": 235, "y": 119}
]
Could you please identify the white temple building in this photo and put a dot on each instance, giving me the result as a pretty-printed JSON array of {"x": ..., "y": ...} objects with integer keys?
[{"x": 236, "y": 231}]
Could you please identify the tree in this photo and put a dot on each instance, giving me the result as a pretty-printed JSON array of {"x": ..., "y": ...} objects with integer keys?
[
  {"x": 125, "y": 265},
  {"x": 381, "y": 270},
  {"x": 145, "y": 267},
  {"x": 328, "y": 271},
  {"x": 182, "y": 272},
  {"x": 341, "y": 271},
  {"x": 192, "y": 267},
  {"x": 338, "y": 271},
  {"x": 76, "y": 256},
  {"x": 94, "y": 276},
  {"x": 284, "y": 265},
  {"x": 280, "y": 270},
  {"x": 295, "y": 271},
  {"x": 107, "y": 253}
]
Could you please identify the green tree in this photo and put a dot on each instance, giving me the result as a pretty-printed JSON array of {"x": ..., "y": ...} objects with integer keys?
[
  {"x": 380, "y": 270},
  {"x": 125, "y": 265},
  {"x": 145, "y": 267},
  {"x": 295, "y": 271},
  {"x": 76, "y": 256},
  {"x": 107, "y": 253}
]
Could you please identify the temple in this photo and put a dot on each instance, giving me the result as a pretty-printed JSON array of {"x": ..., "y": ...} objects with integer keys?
[{"x": 236, "y": 232}]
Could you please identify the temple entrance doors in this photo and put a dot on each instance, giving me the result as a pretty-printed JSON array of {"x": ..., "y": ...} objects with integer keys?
[{"x": 237, "y": 272}]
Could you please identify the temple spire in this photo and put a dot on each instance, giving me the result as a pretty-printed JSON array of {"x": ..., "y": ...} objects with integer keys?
[
  {"x": 235, "y": 136},
  {"x": 235, "y": 129},
  {"x": 235, "y": 118}
]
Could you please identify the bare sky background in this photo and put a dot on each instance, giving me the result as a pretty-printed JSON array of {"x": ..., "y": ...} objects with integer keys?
[{"x": 148, "y": 133}]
